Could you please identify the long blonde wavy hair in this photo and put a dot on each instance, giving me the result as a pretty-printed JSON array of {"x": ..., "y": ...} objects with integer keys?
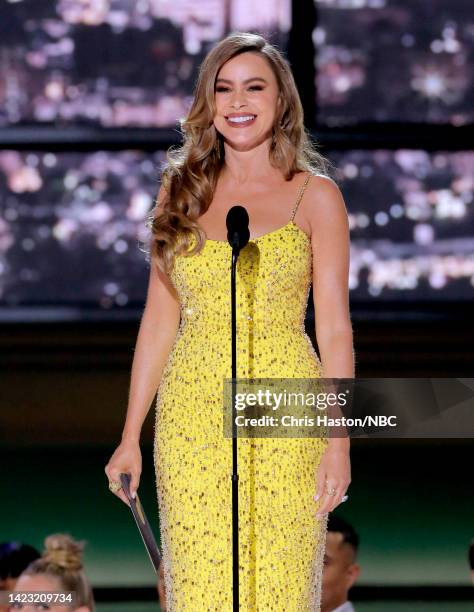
[{"x": 190, "y": 175}]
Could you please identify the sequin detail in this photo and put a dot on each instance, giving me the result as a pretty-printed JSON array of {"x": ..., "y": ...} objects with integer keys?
[{"x": 281, "y": 541}]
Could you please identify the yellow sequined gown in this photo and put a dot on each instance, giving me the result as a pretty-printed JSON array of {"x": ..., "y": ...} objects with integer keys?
[{"x": 281, "y": 542}]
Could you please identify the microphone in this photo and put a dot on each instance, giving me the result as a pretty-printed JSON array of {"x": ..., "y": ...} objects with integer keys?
[{"x": 237, "y": 222}]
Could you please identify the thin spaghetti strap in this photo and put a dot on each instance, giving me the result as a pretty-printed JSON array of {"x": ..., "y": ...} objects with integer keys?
[{"x": 300, "y": 195}]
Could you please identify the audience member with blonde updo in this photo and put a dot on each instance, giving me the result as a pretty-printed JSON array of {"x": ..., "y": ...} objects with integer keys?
[{"x": 58, "y": 570}]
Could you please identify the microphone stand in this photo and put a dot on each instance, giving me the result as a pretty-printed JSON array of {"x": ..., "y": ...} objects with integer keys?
[
  {"x": 235, "y": 476},
  {"x": 237, "y": 223}
]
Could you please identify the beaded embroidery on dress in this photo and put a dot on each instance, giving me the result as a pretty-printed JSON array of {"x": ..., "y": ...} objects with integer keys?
[{"x": 281, "y": 541}]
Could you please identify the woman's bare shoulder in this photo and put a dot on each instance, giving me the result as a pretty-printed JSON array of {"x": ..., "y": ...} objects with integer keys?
[
  {"x": 324, "y": 205},
  {"x": 324, "y": 190}
]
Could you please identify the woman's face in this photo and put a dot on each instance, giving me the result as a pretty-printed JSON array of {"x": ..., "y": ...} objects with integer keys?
[
  {"x": 246, "y": 95},
  {"x": 41, "y": 582}
]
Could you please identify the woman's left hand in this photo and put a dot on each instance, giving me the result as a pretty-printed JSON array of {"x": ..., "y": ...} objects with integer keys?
[{"x": 334, "y": 476}]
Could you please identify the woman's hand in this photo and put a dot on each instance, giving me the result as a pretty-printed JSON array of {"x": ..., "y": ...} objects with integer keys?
[
  {"x": 334, "y": 474},
  {"x": 127, "y": 459}
]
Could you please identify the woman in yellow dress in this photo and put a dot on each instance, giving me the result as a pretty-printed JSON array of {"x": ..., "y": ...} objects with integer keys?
[{"x": 244, "y": 143}]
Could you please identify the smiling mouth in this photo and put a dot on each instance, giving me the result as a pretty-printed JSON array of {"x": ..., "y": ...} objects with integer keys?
[{"x": 241, "y": 119}]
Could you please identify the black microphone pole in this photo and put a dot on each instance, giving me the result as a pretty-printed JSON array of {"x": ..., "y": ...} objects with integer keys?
[{"x": 238, "y": 235}]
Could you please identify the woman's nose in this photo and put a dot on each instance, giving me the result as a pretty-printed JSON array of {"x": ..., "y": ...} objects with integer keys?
[{"x": 237, "y": 100}]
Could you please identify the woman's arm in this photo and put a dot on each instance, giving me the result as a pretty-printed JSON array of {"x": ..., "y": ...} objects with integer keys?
[
  {"x": 157, "y": 332},
  {"x": 330, "y": 246},
  {"x": 331, "y": 253}
]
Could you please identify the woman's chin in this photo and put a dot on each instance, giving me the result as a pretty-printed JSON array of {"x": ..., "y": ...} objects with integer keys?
[{"x": 245, "y": 144}]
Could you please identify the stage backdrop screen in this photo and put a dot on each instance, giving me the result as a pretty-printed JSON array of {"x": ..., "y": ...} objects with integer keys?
[
  {"x": 120, "y": 63},
  {"x": 73, "y": 228},
  {"x": 394, "y": 61}
]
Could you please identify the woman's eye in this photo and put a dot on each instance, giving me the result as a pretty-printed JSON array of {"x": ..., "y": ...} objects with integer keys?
[{"x": 255, "y": 87}]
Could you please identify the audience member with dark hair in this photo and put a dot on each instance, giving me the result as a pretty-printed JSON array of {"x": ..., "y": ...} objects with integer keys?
[
  {"x": 14, "y": 558},
  {"x": 340, "y": 569}
]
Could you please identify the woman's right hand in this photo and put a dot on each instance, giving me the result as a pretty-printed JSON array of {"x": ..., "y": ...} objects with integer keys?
[{"x": 127, "y": 459}]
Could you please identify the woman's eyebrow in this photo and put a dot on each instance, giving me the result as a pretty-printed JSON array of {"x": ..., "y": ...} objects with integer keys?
[{"x": 246, "y": 80}]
